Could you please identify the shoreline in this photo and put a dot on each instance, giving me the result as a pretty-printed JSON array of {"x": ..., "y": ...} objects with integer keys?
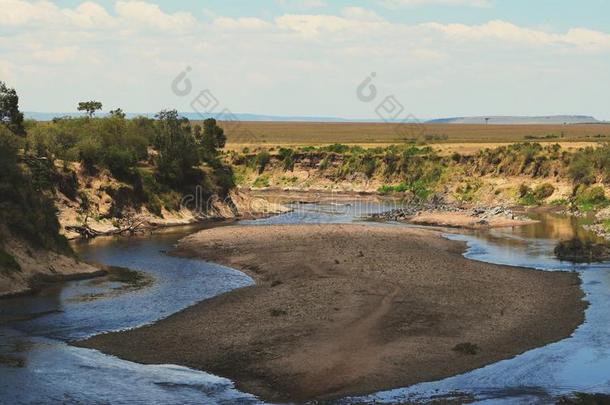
[{"x": 335, "y": 311}]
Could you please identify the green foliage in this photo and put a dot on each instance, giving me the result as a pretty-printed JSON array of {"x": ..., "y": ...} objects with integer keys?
[
  {"x": 325, "y": 163},
  {"x": 336, "y": 148},
  {"x": 119, "y": 161},
  {"x": 90, "y": 107},
  {"x": 261, "y": 181},
  {"x": 286, "y": 155},
  {"x": 177, "y": 149},
  {"x": 26, "y": 211},
  {"x": 262, "y": 160},
  {"x": 467, "y": 192},
  {"x": 10, "y": 116},
  {"x": 400, "y": 188},
  {"x": 581, "y": 169},
  {"x": 529, "y": 196},
  {"x": 590, "y": 198},
  {"x": 212, "y": 138},
  {"x": 544, "y": 191},
  {"x": 94, "y": 142},
  {"x": 118, "y": 113}
]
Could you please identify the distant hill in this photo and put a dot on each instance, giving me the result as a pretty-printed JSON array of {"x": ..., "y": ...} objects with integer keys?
[
  {"x": 193, "y": 116},
  {"x": 515, "y": 120},
  {"x": 493, "y": 120}
]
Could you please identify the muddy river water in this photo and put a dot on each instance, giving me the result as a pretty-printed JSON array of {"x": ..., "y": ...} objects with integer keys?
[{"x": 37, "y": 364}]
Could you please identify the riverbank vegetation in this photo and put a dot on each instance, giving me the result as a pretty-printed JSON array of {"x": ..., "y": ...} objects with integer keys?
[
  {"x": 531, "y": 174},
  {"x": 102, "y": 168}
]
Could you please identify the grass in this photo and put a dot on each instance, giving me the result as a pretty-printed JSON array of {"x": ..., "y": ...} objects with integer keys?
[
  {"x": 317, "y": 133},
  {"x": 261, "y": 181}
]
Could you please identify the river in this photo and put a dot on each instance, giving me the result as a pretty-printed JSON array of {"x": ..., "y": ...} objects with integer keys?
[{"x": 37, "y": 365}]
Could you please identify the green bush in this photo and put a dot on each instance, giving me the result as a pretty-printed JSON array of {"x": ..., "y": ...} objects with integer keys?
[
  {"x": 262, "y": 160},
  {"x": 400, "y": 188},
  {"x": 581, "y": 169},
  {"x": 544, "y": 191},
  {"x": 589, "y": 198},
  {"x": 26, "y": 211},
  {"x": 261, "y": 181}
]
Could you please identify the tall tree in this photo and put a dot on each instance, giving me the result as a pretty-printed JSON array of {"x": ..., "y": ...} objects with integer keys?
[
  {"x": 90, "y": 107},
  {"x": 213, "y": 137},
  {"x": 10, "y": 116},
  {"x": 176, "y": 147}
]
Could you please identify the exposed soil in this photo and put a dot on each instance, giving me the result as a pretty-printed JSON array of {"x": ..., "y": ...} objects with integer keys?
[{"x": 352, "y": 309}]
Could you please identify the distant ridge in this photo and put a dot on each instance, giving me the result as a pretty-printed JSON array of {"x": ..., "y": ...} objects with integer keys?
[
  {"x": 516, "y": 120},
  {"x": 491, "y": 120}
]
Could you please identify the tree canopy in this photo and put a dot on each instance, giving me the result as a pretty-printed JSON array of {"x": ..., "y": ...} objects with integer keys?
[
  {"x": 90, "y": 107},
  {"x": 10, "y": 116}
]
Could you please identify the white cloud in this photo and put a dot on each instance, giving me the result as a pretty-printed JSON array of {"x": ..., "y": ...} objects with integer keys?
[
  {"x": 413, "y": 3},
  {"x": 56, "y": 55},
  {"x": 302, "y": 4},
  {"x": 19, "y": 13},
  {"x": 507, "y": 32},
  {"x": 243, "y": 23},
  {"x": 147, "y": 14},
  {"x": 359, "y": 13},
  {"x": 283, "y": 64}
]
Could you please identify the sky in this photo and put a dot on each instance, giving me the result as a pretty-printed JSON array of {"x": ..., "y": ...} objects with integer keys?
[{"x": 351, "y": 59}]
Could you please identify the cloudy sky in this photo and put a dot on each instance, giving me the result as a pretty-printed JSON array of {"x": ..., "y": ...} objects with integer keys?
[{"x": 308, "y": 57}]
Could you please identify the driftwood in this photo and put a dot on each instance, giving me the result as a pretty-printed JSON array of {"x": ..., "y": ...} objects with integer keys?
[{"x": 128, "y": 225}]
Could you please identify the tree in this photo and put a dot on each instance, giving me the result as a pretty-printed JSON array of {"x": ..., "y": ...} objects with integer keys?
[
  {"x": 213, "y": 137},
  {"x": 177, "y": 149},
  {"x": 116, "y": 113},
  {"x": 90, "y": 107},
  {"x": 10, "y": 116}
]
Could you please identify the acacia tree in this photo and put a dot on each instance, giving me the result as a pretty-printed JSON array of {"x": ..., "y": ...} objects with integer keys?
[
  {"x": 10, "y": 116},
  {"x": 90, "y": 107}
]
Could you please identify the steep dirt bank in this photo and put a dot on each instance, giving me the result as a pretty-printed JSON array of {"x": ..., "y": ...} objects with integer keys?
[
  {"x": 101, "y": 204},
  {"x": 25, "y": 268},
  {"x": 522, "y": 174},
  {"x": 349, "y": 309}
]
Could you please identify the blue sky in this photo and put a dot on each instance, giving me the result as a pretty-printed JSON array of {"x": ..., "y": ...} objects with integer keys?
[
  {"x": 558, "y": 14},
  {"x": 307, "y": 57}
]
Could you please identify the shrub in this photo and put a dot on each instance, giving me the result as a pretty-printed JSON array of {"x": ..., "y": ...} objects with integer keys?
[
  {"x": 262, "y": 160},
  {"x": 589, "y": 198},
  {"x": 400, "y": 188},
  {"x": 325, "y": 163},
  {"x": 119, "y": 161},
  {"x": 544, "y": 191},
  {"x": 261, "y": 182},
  {"x": 581, "y": 169}
]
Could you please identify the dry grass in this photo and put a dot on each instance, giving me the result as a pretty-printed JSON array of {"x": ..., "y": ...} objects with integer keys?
[{"x": 378, "y": 134}]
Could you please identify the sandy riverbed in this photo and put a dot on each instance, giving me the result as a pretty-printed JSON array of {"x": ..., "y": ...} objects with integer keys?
[{"x": 351, "y": 309}]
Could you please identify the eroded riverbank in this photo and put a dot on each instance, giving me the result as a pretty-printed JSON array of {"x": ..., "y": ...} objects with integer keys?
[{"x": 349, "y": 309}]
